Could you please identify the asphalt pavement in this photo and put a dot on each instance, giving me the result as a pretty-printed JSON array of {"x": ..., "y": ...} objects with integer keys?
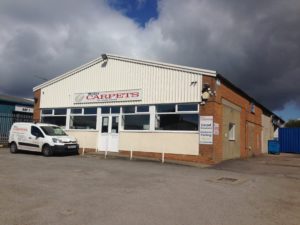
[{"x": 36, "y": 190}]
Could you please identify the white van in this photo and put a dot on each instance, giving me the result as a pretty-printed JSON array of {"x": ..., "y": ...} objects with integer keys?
[{"x": 41, "y": 137}]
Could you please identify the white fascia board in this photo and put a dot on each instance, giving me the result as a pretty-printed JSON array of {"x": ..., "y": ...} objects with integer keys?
[{"x": 121, "y": 58}]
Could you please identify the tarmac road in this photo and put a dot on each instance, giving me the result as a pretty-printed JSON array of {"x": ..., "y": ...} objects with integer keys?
[{"x": 36, "y": 190}]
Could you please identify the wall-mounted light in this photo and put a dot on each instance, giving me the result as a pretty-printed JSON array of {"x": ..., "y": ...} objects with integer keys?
[{"x": 104, "y": 57}]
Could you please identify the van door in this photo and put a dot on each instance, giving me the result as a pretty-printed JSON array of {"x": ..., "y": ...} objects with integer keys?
[{"x": 35, "y": 139}]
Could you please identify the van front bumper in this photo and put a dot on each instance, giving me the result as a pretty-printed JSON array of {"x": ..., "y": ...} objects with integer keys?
[{"x": 65, "y": 149}]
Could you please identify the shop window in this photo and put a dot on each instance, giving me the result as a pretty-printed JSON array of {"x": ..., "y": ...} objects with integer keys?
[
  {"x": 166, "y": 108},
  {"x": 83, "y": 122},
  {"x": 47, "y": 111},
  {"x": 76, "y": 111},
  {"x": 175, "y": 122},
  {"x": 231, "y": 132},
  {"x": 60, "y": 111},
  {"x": 105, "y": 110},
  {"x": 115, "y": 110},
  {"x": 129, "y": 109},
  {"x": 142, "y": 108},
  {"x": 188, "y": 107},
  {"x": 90, "y": 111},
  {"x": 136, "y": 122},
  {"x": 57, "y": 120}
]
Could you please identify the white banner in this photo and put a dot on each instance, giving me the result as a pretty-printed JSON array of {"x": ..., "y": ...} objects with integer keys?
[
  {"x": 108, "y": 96},
  {"x": 23, "y": 109},
  {"x": 206, "y": 130}
]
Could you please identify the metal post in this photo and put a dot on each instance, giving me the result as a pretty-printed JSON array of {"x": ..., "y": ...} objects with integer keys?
[
  {"x": 163, "y": 157},
  {"x": 131, "y": 154}
]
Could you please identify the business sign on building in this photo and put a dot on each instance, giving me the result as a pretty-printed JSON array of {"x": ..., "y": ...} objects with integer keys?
[
  {"x": 23, "y": 109},
  {"x": 206, "y": 130},
  {"x": 108, "y": 96}
]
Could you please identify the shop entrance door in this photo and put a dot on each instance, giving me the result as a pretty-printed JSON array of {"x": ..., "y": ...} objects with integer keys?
[{"x": 110, "y": 133}]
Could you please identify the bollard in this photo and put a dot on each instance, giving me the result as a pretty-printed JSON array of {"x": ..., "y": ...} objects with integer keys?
[
  {"x": 163, "y": 157},
  {"x": 130, "y": 154}
]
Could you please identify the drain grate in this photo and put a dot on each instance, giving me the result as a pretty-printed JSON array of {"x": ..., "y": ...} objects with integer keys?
[{"x": 227, "y": 179}]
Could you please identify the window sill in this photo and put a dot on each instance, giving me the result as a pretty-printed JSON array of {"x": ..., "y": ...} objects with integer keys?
[{"x": 159, "y": 131}]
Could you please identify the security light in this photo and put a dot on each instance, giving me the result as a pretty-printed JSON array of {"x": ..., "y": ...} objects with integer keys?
[{"x": 104, "y": 56}]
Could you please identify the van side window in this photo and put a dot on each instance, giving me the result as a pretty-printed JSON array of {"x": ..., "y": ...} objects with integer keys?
[{"x": 36, "y": 132}]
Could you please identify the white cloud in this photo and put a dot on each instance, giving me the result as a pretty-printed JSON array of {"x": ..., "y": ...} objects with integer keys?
[{"x": 253, "y": 43}]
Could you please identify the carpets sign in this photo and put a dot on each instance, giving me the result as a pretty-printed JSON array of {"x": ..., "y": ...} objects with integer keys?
[
  {"x": 108, "y": 96},
  {"x": 206, "y": 130}
]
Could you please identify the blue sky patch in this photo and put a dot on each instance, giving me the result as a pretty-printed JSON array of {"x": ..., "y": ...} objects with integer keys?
[{"x": 141, "y": 11}]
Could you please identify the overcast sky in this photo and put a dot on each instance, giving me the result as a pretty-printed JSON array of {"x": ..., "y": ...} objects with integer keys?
[{"x": 253, "y": 43}]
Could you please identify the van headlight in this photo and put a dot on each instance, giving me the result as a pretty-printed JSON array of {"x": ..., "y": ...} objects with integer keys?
[{"x": 55, "y": 140}]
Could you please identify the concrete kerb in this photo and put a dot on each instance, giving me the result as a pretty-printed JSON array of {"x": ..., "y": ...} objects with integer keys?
[{"x": 113, "y": 155}]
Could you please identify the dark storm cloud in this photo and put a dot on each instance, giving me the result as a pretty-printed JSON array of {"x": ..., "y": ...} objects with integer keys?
[{"x": 255, "y": 44}]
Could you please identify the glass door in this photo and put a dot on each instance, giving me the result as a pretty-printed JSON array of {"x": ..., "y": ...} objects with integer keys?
[{"x": 109, "y": 133}]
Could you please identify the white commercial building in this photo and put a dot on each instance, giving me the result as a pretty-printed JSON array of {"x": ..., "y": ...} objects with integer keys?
[{"x": 120, "y": 104}]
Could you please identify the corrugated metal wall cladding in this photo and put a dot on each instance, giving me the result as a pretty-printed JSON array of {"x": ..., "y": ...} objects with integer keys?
[
  {"x": 159, "y": 85},
  {"x": 289, "y": 139}
]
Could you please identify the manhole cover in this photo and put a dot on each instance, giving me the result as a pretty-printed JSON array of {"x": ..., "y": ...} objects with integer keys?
[{"x": 227, "y": 180}]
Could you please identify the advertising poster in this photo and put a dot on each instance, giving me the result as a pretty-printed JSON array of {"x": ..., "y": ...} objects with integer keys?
[{"x": 206, "y": 130}]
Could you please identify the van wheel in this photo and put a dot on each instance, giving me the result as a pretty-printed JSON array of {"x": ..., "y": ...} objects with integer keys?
[
  {"x": 47, "y": 150},
  {"x": 13, "y": 148}
]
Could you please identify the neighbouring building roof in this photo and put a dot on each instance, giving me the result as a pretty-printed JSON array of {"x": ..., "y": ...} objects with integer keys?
[{"x": 13, "y": 99}]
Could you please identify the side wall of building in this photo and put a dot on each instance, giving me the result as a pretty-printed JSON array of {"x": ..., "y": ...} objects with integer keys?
[{"x": 249, "y": 129}]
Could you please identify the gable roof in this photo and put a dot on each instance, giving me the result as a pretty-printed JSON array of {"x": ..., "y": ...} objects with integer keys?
[{"x": 131, "y": 60}]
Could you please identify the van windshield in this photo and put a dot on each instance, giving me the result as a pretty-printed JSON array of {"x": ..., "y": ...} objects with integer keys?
[{"x": 53, "y": 131}]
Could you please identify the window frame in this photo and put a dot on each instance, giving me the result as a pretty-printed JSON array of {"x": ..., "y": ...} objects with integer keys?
[
  {"x": 177, "y": 112},
  {"x": 135, "y": 113},
  {"x": 55, "y": 115},
  {"x": 82, "y": 114},
  {"x": 231, "y": 131}
]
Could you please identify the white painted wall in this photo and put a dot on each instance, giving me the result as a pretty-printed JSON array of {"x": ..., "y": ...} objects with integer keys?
[
  {"x": 168, "y": 142},
  {"x": 267, "y": 132},
  {"x": 86, "y": 139}
]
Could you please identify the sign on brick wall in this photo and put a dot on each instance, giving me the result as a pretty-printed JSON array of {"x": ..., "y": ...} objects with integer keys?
[{"x": 206, "y": 130}]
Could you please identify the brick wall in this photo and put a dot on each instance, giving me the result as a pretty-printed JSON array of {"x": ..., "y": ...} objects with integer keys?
[
  {"x": 214, "y": 107},
  {"x": 36, "y": 108}
]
